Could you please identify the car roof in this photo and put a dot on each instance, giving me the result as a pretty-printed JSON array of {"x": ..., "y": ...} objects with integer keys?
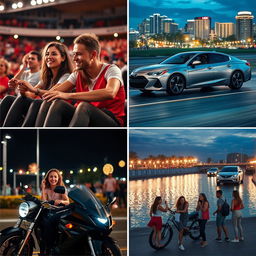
[{"x": 197, "y": 52}]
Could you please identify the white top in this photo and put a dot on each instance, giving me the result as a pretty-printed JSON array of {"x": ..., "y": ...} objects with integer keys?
[
  {"x": 110, "y": 184},
  {"x": 157, "y": 214},
  {"x": 62, "y": 79},
  {"x": 112, "y": 72},
  {"x": 32, "y": 78}
]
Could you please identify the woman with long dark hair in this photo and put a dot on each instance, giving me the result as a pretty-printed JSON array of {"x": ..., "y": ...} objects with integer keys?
[
  {"x": 203, "y": 209},
  {"x": 156, "y": 219},
  {"x": 182, "y": 209},
  {"x": 56, "y": 68}
]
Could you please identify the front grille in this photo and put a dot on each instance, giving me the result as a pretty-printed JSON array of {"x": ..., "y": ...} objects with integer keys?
[
  {"x": 226, "y": 176},
  {"x": 138, "y": 81},
  {"x": 158, "y": 84}
]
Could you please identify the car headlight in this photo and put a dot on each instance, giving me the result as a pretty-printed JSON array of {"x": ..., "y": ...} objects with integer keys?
[
  {"x": 157, "y": 73},
  {"x": 23, "y": 209},
  {"x": 102, "y": 220}
]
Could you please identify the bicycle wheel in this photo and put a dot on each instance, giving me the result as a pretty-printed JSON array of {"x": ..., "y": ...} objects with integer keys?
[
  {"x": 194, "y": 230},
  {"x": 166, "y": 237}
]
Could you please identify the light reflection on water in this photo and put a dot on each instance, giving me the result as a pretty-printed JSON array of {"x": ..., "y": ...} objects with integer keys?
[{"x": 143, "y": 192}]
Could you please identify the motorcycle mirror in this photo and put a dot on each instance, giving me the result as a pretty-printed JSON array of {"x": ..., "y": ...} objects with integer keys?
[
  {"x": 59, "y": 190},
  {"x": 111, "y": 202}
]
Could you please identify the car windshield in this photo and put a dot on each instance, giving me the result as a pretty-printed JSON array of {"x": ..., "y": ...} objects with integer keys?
[
  {"x": 180, "y": 58},
  {"x": 212, "y": 170},
  {"x": 229, "y": 169}
]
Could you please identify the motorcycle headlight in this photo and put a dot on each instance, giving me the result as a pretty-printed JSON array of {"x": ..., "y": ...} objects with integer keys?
[
  {"x": 158, "y": 73},
  {"x": 23, "y": 209},
  {"x": 102, "y": 220}
]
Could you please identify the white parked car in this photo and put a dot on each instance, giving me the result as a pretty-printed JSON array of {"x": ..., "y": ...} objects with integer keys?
[
  {"x": 230, "y": 174},
  {"x": 212, "y": 172}
]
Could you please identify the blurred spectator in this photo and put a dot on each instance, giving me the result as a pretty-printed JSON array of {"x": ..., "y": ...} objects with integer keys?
[
  {"x": 122, "y": 195},
  {"x": 122, "y": 65},
  {"x": 110, "y": 187},
  {"x": 4, "y": 67}
]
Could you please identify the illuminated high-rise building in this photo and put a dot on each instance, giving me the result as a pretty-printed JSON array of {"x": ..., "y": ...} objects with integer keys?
[
  {"x": 190, "y": 27},
  {"x": 169, "y": 27},
  {"x": 244, "y": 22},
  {"x": 144, "y": 27},
  {"x": 224, "y": 30},
  {"x": 202, "y": 27}
]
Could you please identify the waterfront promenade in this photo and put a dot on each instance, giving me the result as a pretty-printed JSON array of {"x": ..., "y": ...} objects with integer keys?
[{"x": 139, "y": 242}]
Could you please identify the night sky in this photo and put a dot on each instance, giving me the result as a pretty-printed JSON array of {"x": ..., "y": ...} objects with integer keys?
[
  {"x": 182, "y": 10},
  {"x": 67, "y": 149},
  {"x": 200, "y": 143}
]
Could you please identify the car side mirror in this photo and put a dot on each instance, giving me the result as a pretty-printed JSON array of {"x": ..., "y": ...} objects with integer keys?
[
  {"x": 59, "y": 190},
  {"x": 196, "y": 62}
]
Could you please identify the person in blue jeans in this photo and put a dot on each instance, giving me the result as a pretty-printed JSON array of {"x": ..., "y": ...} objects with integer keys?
[{"x": 220, "y": 219}]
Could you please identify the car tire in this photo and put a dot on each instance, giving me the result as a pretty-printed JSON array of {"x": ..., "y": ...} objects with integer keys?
[
  {"x": 175, "y": 84},
  {"x": 236, "y": 80}
]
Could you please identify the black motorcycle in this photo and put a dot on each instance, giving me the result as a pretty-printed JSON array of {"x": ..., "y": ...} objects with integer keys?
[{"x": 83, "y": 227}]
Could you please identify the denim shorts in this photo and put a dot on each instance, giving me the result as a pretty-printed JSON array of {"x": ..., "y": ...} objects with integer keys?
[{"x": 220, "y": 220}]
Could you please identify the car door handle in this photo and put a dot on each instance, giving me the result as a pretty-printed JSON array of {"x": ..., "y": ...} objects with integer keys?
[
  {"x": 209, "y": 67},
  {"x": 228, "y": 65}
]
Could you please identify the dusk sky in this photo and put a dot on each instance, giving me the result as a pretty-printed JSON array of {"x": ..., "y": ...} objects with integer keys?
[
  {"x": 66, "y": 149},
  {"x": 200, "y": 143},
  {"x": 181, "y": 10}
]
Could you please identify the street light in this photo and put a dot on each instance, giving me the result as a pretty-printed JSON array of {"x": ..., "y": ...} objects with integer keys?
[{"x": 4, "y": 142}]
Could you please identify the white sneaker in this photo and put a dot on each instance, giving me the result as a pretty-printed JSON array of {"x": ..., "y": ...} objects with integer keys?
[
  {"x": 181, "y": 247},
  {"x": 235, "y": 241}
]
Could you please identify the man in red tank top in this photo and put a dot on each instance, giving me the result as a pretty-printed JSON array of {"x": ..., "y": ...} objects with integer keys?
[{"x": 99, "y": 96}]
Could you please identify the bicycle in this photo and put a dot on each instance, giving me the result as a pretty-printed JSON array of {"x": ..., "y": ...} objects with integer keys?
[{"x": 193, "y": 230}]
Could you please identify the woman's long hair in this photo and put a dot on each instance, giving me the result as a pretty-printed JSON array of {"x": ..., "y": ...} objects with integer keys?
[
  {"x": 60, "y": 180},
  {"x": 205, "y": 199},
  {"x": 179, "y": 205},
  {"x": 66, "y": 65},
  {"x": 237, "y": 197},
  {"x": 155, "y": 204}
]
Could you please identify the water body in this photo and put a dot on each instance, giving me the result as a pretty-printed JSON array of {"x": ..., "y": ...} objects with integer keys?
[{"x": 143, "y": 192}]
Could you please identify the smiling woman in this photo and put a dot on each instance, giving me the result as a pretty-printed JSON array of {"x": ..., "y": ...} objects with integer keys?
[{"x": 56, "y": 67}]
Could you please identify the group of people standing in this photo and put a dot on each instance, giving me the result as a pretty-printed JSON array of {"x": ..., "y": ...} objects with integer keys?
[
  {"x": 54, "y": 91},
  {"x": 203, "y": 209}
]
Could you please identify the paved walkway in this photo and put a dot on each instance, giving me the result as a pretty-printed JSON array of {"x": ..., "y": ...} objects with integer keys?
[{"x": 139, "y": 242}]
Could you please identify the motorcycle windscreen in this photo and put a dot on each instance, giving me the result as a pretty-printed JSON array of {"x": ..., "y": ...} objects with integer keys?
[{"x": 89, "y": 201}]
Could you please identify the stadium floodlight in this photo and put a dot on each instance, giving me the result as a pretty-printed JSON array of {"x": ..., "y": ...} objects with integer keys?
[
  {"x": 33, "y": 2},
  {"x": 39, "y": 1},
  {"x": 20, "y": 4},
  {"x": 46, "y": 1},
  {"x": 16, "y": 36},
  {"x": 2, "y": 7},
  {"x": 52, "y": 1},
  {"x": 14, "y": 6},
  {"x": 58, "y": 38}
]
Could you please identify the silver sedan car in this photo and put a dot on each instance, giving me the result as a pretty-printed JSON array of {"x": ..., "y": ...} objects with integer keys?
[{"x": 190, "y": 70}]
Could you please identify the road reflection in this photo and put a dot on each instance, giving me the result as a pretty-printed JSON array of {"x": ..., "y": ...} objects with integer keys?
[{"x": 143, "y": 192}]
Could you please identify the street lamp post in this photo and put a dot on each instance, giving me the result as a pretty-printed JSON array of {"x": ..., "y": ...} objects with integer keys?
[{"x": 4, "y": 142}]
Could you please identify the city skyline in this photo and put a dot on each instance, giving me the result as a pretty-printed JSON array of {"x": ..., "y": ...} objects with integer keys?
[
  {"x": 219, "y": 10},
  {"x": 202, "y": 144}
]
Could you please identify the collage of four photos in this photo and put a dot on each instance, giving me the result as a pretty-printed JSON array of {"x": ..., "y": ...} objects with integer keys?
[{"x": 127, "y": 128}]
